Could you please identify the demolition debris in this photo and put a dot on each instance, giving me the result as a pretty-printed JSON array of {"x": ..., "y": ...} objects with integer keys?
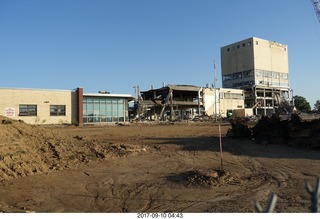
[{"x": 296, "y": 131}]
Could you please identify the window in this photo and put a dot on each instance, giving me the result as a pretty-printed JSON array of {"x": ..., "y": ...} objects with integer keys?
[
  {"x": 96, "y": 110},
  {"x": 27, "y": 110},
  {"x": 248, "y": 74},
  {"x": 237, "y": 75},
  {"x": 228, "y": 50},
  {"x": 227, "y": 77},
  {"x": 57, "y": 110}
]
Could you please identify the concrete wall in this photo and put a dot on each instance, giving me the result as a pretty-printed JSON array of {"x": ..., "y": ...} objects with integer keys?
[
  {"x": 11, "y": 98},
  {"x": 237, "y": 57},
  {"x": 230, "y": 99},
  {"x": 254, "y": 53},
  {"x": 226, "y": 99},
  {"x": 270, "y": 56},
  {"x": 209, "y": 101}
]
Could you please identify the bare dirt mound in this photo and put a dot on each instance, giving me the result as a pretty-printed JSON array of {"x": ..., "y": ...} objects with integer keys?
[
  {"x": 201, "y": 179},
  {"x": 32, "y": 149}
]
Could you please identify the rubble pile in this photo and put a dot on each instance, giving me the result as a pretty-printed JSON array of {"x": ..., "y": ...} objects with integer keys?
[
  {"x": 239, "y": 128},
  {"x": 294, "y": 131},
  {"x": 271, "y": 130}
]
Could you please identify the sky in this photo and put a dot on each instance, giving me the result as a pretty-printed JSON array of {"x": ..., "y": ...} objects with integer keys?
[{"x": 114, "y": 45}]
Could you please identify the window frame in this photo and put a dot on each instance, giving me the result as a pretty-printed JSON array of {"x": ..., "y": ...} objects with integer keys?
[
  {"x": 31, "y": 110},
  {"x": 60, "y": 110}
]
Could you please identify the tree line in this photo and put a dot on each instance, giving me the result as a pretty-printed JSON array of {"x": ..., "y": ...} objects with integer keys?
[{"x": 304, "y": 106}]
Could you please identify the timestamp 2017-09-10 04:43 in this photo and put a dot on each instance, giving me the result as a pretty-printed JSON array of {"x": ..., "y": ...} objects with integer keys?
[{"x": 159, "y": 215}]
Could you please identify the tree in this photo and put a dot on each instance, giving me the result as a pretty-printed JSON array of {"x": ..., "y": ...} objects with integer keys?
[
  {"x": 317, "y": 105},
  {"x": 301, "y": 104}
]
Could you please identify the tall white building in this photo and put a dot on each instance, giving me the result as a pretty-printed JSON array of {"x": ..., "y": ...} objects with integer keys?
[{"x": 260, "y": 67}]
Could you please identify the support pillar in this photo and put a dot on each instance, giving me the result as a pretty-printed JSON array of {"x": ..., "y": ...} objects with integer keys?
[{"x": 80, "y": 105}]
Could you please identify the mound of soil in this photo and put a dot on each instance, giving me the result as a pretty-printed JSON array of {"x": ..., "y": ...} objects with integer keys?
[
  {"x": 201, "y": 179},
  {"x": 32, "y": 149}
]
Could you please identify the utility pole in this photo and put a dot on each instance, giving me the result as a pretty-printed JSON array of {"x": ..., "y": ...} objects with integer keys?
[{"x": 137, "y": 100}]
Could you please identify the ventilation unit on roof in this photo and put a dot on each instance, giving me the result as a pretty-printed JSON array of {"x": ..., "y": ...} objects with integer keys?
[{"x": 103, "y": 92}]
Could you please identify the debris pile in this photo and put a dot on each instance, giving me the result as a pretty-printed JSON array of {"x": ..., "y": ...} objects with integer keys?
[
  {"x": 271, "y": 130},
  {"x": 239, "y": 128},
  {"x": 275, "y": 129},
  {"x": 201, "y": 179}
]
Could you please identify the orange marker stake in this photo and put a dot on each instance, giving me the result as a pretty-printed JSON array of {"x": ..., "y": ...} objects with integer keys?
[{"x": 220, "y": 148}]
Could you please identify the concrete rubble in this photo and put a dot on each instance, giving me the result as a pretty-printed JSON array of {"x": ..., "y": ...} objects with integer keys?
[{"x": 298, "y": 130}]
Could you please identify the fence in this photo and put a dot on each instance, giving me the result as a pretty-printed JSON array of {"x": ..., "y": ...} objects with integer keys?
[{"x": 315, "y": 196}]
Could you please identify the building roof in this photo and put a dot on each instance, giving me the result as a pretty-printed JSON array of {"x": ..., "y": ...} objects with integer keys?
[
  {"x": 253, "y": 39},
  {"x": 34, "y": 89},
  {"x": 177, "y": 87},
  {"x": 126, "y": 96}
]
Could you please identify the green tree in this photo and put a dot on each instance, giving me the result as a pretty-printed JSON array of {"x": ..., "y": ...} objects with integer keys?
[
  {"x": 317, "y": 105},
  {"x": 301, "y": 104}
]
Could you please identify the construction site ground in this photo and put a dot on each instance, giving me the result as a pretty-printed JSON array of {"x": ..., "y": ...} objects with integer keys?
[{"x": 148, "y": 168}]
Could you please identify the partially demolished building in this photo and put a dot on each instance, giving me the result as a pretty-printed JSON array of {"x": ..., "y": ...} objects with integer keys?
[
  {"x": 260, "y": 68},
  {"x": 184, "y": 102}
]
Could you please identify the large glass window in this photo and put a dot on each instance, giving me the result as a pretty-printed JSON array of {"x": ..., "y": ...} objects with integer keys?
[{"x": 103, "y": 109}]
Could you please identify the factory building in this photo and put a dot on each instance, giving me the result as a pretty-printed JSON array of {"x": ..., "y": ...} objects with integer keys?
[
  {"x": 43, "y": 106},
  {"x": 260, "y": 68}
]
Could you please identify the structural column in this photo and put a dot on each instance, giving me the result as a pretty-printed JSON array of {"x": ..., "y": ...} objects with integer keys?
[{"x": 80, "y": 105}]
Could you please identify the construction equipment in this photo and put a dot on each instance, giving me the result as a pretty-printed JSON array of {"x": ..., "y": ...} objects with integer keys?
[{"x": 316, "y": 7}]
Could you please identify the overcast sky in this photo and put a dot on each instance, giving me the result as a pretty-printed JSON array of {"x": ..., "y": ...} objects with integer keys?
[{"x": 114, "y": 45}]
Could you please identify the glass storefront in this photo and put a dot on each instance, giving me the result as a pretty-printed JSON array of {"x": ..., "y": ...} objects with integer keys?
[{"x": 104, "y": 109}]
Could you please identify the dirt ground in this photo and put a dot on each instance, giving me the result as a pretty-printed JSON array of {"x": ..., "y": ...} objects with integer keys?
[{"x": 147, "y": 168}]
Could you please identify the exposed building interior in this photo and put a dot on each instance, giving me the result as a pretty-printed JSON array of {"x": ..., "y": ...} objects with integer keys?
[
  {"x": 169, "y": 102},
  {"x": 187, "y": 102}
]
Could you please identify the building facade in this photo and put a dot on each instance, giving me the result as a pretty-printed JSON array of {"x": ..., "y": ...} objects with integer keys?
[
  {"x": 101, "y": 108},
  {"x": 43, "y": 106},
  {"x": 222, "y": 100},
  {"x": 259, "y": 67}
]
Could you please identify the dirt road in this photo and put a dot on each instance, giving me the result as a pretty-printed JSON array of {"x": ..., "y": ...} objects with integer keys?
[{"x": 170, "y": 168}]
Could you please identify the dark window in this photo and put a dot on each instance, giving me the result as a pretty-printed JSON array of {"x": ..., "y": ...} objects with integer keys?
[
  {"x": 27, "y": 110},
  {"x": 57, "y": 110}
]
